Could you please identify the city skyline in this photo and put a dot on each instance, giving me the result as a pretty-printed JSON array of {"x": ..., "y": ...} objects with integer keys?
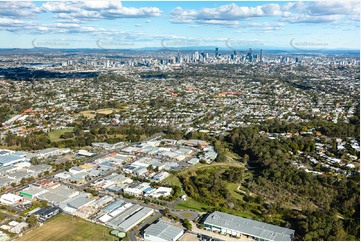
[{"x": 112, "y": 24}]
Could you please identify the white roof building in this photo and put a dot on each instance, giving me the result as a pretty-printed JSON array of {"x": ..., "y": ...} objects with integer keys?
[
  {"x": 10, "y": 199},
  {"x": 162, "y": 231}
]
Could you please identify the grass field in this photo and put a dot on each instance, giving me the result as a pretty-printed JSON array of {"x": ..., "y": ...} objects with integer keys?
[
  {"x": 55, "y": 135},
  {"x": 173, "y": 180},
  {"x": 232, "y": 188},
  {"x": 92, "y": 113},
  {"x": 64, "y": 227},
  {"x": 190, "y": 203}
]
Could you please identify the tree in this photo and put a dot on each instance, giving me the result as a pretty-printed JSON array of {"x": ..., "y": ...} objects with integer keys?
[
  {"x": 187, "y": 224},
  {"x": 150, "y": 168},
  {"x": 43, "y": 203},
  {"x": 32, "y": 220},
  {"x": 166, "y": 212}
]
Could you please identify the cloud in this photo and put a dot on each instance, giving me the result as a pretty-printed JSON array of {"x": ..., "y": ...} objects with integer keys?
[
  {"x": 104, "y": 4},
  {"x": 334, "y": 8},
  {"x": 320, "y": 11},
  {"x": 224, "y": 14},
  {"x": 94, "y": 10},
  {"x": 233, "y": 15},
  {"x": 7, "y": 22},
  {"x": 305, "y": 18},
  {"x": 18, "y": 9},
  {"x": 123, "y": 12}
]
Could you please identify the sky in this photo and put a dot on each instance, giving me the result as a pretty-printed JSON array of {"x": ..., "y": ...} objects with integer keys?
[{"x": 114, "y": 24}]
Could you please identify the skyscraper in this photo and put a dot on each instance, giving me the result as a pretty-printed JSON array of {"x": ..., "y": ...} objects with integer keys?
[
  {"x": 196, "y": 55},
  {"x": 261, "y": 56},
  {"x": 249, "y": 55},
  {"x": 216, "y": 53}
]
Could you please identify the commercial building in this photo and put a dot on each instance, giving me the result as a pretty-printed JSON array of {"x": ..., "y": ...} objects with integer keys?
[
  {"x": 8, "y": 160},
  {"x": 85, "y": 153},
  {"x": 46, "y": 213},
  {"x": 32, "y": 192},
  {"x": 159, "y": 192},
  {"x": 137, "y": 190},
  {"x": 10, "y": 199},
  {"x": 113, "y": 206},
  {"x": 51, "y": 152},
  {"x": 236, "y": 226},
  {"x": 160, "y": 176},
  {"x": 135, "y": 219},
  {"x": 5, "y": 181},
  {"x": 123, "y": 214},
  {"x": 162, "y": 231},
  {"x": 38, "y": 169}
]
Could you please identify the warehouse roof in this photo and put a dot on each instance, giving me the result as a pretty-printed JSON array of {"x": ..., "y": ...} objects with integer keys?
[
  {"x": 32, "y": 190},
  {"x": 39, "y": 168},
  {"x": 79, "y": 202},
  {"x": 53, "y": 197},
  {"x": 124, "y": 215},
  {"x": 114, "y": 205},
  {"x": 164, "y": 231},
  {"x": 135, "y": 219},
  {"x": 63, "y": 190},
  {"x": 10, "y": 158},
  {"x": 250, "y": 227}
]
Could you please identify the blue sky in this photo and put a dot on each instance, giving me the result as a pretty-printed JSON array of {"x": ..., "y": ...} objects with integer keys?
[{"x": 134, "y": 24}]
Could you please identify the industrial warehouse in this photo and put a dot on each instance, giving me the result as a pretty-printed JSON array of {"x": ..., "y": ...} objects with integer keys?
[
  {"x": 237, "y": 226},
  {"x": 162, "y": 231}
]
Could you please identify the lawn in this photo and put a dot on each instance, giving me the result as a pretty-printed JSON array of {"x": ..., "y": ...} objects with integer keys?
[
  {"x": 173, "y": 180},
  {"x": 64, "y": 227},
  {"x": 232, "y": 188},
  {"x": 54, "y": 135},
  {"x": 190, "y": 203}
]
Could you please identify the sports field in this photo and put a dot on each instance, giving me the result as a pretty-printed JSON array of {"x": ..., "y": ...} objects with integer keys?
[
  {"x": 92, "y": 113},
  {"x": 65, "y": 227}
]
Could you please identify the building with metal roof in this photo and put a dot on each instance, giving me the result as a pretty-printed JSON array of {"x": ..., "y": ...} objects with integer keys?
[
  {"x": 18, "y": 175},
  {"x": 10, "y": 199},
  {"x": 53, "y": 198},
  {"x": 8, "y": 160},
  {"x": 236, "y": 226},
  {"x": 162, "y": 231},
  {"x": 114, "y": 205},
  {"x": 5, "y": 181},
  {"x": 135, "y": 219},
  {"x": 114, "y": 222},
  {"x": 32, "y": 191},
  {"x": 37, "y": 169},
  {"x": 79, "y": 202}
]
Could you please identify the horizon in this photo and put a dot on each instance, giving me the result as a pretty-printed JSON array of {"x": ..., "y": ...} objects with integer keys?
[{"x": 114, "y": 25}]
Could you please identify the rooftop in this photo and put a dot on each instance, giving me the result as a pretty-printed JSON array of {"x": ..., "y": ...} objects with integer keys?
[
  {"x": 164, "y": 231},
  {"x": 250, "y": 227}
]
